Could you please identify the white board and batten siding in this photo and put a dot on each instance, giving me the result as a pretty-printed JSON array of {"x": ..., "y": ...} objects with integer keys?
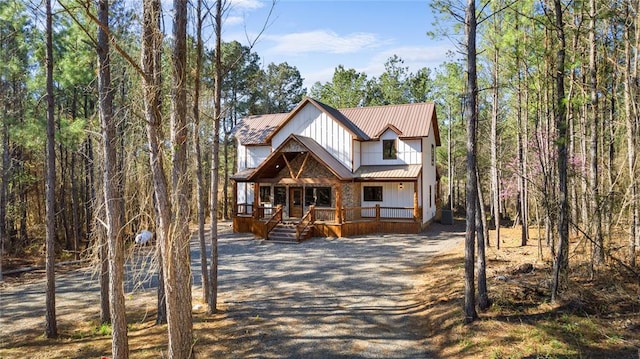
[
  {"x": 313, "y": 123},
  {"x": 429, "y": 184},
  {"x": 392, "y": 196},
  {"x": 408, "y": 151}
]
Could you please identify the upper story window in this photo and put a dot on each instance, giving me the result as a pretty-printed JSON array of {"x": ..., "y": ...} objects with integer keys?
[
  {"x": 389, "y": 150},
  {"x": 433, "y": 155}
]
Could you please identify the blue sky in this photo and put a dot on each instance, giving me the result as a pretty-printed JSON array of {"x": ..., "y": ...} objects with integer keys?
[{"x": 316, "y": 36}]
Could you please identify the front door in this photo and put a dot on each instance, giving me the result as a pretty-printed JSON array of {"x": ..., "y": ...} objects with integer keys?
[{"x": 295, "y": 202}]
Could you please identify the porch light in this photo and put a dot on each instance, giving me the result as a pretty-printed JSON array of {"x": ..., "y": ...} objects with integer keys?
[{"x": 401, "y": 186}]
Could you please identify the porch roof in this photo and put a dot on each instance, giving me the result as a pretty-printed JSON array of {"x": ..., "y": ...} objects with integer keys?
[
  {"x": 388, "y": 172},
  {"x": 243, "y": 174},
  {"x": 274, "y": 162}
]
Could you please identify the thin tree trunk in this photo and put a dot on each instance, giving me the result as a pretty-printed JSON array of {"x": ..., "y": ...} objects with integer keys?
[
  {"x": 561, "y": 261},
  {"x": 595, "y": 185},
  {"x": 112, "y": 195},
  {"x": 483, "y": 295},
  {"x": 199, "y": 175},
  {"x": 495, "y": 180},
  {"x": 152, "y": 75},
  {"x": 631, "y": 149},
  {"x": 215, "y": 162},
  {"x": 470, "y": 313},
  {"x": 51, "y": 326},
  {"x": 176, "y": 250}
]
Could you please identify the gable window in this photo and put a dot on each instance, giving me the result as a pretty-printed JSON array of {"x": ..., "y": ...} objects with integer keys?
[
  {"x": 389, "y": 150},
  {"x": 372, "y": 193},
  {"x": 433, "y": 155},
  {"x": 265, "y": 194},
  {"x": 320, "y": 196}
]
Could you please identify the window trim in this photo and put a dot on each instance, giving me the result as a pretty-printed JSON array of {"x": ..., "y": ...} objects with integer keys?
[
  {"x": 394, "y": 154},
  {"x": 373, "y": 197},
  {"x": 268, "y": 194}
]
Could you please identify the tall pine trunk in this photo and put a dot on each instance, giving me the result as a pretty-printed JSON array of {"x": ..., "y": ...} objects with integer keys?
[
  {"x": 215, "y": 163},
  {"x": 196, "y": 139},
  {"x": 561, "y": 260},
  {"x": 470, "y": 313},
  {"x": 176, "y": 249},
  {"x": 112, "y": 191},
  {"x": 51, "y": 326}
]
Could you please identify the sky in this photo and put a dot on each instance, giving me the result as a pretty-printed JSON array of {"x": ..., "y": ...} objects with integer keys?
[{"x": 316, "y": 36}]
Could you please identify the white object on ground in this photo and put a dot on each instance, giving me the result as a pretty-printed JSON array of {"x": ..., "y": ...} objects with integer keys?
[{"x": 143, "y": 237}]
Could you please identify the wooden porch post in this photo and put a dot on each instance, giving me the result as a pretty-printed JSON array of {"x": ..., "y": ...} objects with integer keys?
[
  {"x": 416, "y": 211},
  {"x": 256, "y": 199},
  {"x": 234, "y": 210},
  {"x": 339, "y": 203}
]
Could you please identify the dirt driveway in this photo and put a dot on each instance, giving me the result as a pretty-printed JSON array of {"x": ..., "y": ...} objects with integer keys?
[{"x": 323, "y": 298}]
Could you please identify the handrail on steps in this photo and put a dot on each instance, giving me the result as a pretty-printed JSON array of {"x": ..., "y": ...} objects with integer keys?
[
  {"x": 306, "y": 220},
  {"x": 274, "y": 220}
]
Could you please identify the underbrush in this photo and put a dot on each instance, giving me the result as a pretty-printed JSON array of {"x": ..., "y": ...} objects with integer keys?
[{"x": 598, "y": 315}]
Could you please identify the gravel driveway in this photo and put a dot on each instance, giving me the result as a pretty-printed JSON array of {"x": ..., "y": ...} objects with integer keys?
[{"x": 323, "y": 298}]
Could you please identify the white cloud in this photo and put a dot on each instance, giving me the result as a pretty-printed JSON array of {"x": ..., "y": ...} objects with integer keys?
[
  {"x": 415, "y": 57},
  {"x": 233, "y": 20},
  {"x": 323, "y": 41},
  {"x": 246, "y": 4}
]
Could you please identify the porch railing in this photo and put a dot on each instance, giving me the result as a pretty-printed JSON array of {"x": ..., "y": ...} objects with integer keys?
[
  {"x": 275, "y": 218},
  {"x": 328, "y": 214},
  {"x": 305, "y": 222},
  {"x": 244, "y": 209}
]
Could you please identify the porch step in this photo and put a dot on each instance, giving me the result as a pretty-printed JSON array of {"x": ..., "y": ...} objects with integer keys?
[{"x": 286, "y": 232}]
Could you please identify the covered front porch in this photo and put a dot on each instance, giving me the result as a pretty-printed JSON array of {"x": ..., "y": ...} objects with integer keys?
[{"x": 329, "y": 221}]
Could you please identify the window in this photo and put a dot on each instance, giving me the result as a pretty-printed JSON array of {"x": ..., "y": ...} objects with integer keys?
[
  {"x": 279, "y": 196},
  {"x": 320, "y": 196},
  {"x": 372, "y": 193},
  {"x": 389, "y": 151},
  {"x": 433, "y": 155},
  {"x": 430, "y": 203},
  {"x": 265, "y": 194}
]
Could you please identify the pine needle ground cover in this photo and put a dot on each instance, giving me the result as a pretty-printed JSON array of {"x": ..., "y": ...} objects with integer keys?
[{"x": 596, "y": 318}]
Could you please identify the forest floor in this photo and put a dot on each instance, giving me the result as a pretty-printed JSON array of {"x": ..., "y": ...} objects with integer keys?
[{"x": 596, "y": 318}]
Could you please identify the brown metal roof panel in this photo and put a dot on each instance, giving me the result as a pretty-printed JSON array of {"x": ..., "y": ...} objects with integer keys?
[
  {"x": 325, "y": 157},
  {"x": 243, "y": 175},
  {"x": 388, "y": 171},
  {"x": 412, "y": 120},
  {"x": 254, "y": 130}
]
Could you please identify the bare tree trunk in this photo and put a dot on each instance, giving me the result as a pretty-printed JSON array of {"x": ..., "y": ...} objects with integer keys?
[
  {"x": 176, "y": 250},
  {"x": 112, "y": 195},
  {"x": 152, "y": 76},
  {"x": 4, "y": 187},
  {"x": 215, "y": 162},
  {"x": 595, "y": 185},
  {"x": 51, "y": 326},
  {"x": 196, "y": 139},
  {"x": 495, "y": 180},
  {"x": 632, "y": 134},
  {"x": 561, "y": 261},
  {"x": 483, "y": 295},
  {"x": 470, "y": 313}
]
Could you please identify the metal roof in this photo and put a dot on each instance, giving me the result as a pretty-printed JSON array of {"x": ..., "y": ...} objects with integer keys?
[
  {"x": 388, "y": 172},
  {"x": 323, "y": 156},
  {"x": 254, "y": 130},
  {"x": 243, "y": 174},
  {"x": 272, "y": 164},
  {"x": 364, "y": 123},
  {"x": 412, "y": 120}
]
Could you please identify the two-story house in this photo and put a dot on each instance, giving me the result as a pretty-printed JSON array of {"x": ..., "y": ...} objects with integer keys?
[{"x": 337, "y": 172}]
